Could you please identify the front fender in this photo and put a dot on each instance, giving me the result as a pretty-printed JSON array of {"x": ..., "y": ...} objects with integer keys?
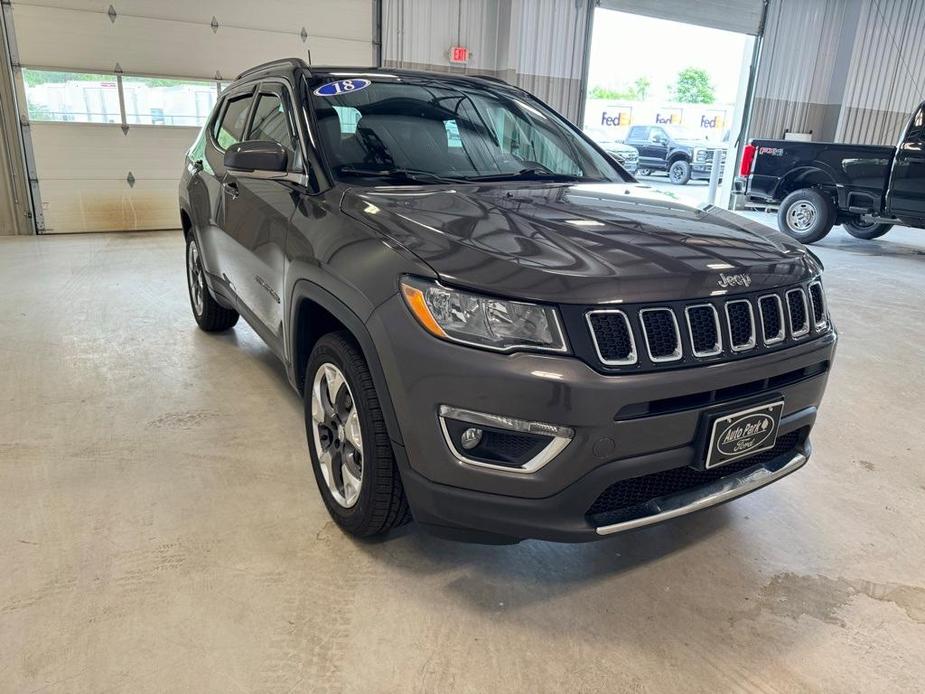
[{"x": 305, "y": 289}]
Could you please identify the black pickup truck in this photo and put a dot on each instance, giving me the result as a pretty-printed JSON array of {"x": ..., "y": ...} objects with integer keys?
[{"x": 817, "y": 185}]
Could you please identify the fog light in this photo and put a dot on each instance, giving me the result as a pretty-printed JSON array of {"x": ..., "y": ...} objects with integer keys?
[
  {"x": 503, "y": 443},
  {"x": 470, "y": 438}
]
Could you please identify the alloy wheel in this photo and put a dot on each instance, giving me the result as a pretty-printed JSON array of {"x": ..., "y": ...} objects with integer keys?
[
  {"x": 196, "y": 277},
  {"x": 337, "y": 434}
]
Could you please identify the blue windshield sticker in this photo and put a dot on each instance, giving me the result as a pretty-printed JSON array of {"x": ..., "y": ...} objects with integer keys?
[{"x": 341, "y": 87}]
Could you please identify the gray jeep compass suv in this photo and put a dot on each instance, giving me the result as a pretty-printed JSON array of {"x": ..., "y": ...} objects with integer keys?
[{"x": 496, "y": 330}]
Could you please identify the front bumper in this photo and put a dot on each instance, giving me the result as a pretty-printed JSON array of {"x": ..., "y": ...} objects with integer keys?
[
  {"x": 703, "y": 171},
  {"x": 424, "y": 373}
]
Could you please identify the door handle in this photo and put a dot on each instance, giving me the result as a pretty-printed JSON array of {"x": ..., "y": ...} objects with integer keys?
[{"x": 231, "y": 189}]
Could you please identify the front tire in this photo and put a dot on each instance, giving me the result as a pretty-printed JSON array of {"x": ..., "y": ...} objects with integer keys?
[
  {"x": 861, "y": 229},
  {"x": 350, "y": 448},
  {"x": 806, "y": 215},
  {"x": 679, "y": 172},
  {"x": 210, "y": 315}
]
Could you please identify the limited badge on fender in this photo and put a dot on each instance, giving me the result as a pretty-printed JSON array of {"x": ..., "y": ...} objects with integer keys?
[{"x": 341, "y": 87}]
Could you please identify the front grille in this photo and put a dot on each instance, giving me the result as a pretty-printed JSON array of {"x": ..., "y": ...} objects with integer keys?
[
  {"x": 799, "y": 321},
  {"x": 619, "y": 499},
  {"x": 703, "y": 324},
  {"x": 817, "y": 298},
  {"x": 709, "y": 330},
  {"x": 663, "y": 338},
  {"x": 613, "y": 338},
  {"x": 772, "y": 319},
  {"x": 741, "y": 325}
]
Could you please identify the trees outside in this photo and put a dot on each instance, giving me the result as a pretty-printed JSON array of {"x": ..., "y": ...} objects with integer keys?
[
  {"x": 637, "y": 91},
  {"x": 693, "y": 86}
]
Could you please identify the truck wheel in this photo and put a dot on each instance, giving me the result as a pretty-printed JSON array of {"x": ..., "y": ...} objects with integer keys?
[
  {"x": 807, "y": 215},
  {"x": 209, "y": 314},
  {"x": 643, "y": 172},
  {"x": 862, "y": 229},
  {"x": 679, "y": 172},
  {"x": 350, "y": 449}
]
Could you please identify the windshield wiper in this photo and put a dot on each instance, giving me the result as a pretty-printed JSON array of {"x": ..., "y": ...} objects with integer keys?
[
  {"x": 411, "y": 175},
  {"x": 532, "y": 174}
]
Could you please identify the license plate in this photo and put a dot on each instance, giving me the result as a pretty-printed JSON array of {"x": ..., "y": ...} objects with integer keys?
[{"x": 744, "y": 433}]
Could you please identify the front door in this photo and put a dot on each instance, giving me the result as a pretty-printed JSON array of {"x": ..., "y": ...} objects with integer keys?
[
  {"x": 907, "y": 182},
  {"x": 257, "y": 218},
  {"x": 656, "y": 148}
]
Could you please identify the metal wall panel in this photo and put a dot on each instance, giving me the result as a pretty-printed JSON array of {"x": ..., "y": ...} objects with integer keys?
[
  {"x": 535, "y": 44},
  {"x": 798, "y": 65},
  {"x": 743, "y": 16},
  {"x": 421, "y": 32},
  {"x": 847, "y": 70},
  {"x": 887, "y": 71}
]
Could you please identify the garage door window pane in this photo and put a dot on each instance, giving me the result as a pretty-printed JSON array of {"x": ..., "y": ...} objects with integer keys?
[
  {"x": 71, "y": 96},
  {"x": 231, "y": 128},
  {"x": 155, "y": 101}
]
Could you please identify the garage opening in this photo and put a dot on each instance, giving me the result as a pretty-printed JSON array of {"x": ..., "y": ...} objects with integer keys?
[{"x": 667, "y": 99}]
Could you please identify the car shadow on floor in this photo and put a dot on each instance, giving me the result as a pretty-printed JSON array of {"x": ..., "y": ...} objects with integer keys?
[{"x": 534, "y": 571}]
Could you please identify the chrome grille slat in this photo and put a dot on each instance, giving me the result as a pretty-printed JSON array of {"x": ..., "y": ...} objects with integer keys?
[
  {"x": 763, "y": 312},
  {"x": 735, "y": 324},
  {"x": 799, "y": 325},
  {"x": 817, "y": 297},
  {"x": 709, "y": 330},
  {"x": 657, "y": 333},
  {"x": 615, "y": 334},
  {"x": 718, "y": 342}
]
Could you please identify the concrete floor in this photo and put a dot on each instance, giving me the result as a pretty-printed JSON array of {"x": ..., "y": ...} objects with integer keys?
[{"x": 160, "y": 529}]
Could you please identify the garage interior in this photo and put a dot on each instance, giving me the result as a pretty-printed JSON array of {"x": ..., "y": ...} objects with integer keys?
[{"x": 160, "y": 525}]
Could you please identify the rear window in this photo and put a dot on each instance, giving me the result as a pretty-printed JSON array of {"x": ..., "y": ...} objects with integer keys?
[{"x": 230, "y": 127}]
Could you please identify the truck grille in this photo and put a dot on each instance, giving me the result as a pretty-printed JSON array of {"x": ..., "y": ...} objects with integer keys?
[{"x": 709, "y": 330}]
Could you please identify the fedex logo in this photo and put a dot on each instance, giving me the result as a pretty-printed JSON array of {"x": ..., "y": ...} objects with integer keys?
[{"x": 614, "y": 120}]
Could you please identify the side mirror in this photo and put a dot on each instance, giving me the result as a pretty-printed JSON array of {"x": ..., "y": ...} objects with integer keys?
[
  {"x": 257, "y": 159},
  {"x": 657, "y": 139}
]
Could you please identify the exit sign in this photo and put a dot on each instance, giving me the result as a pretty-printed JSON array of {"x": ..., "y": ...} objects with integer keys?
[{"x": 459, "y": 55}]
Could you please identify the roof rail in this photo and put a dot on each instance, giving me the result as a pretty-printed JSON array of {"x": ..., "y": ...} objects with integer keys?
[
  {"x": 492, "y": 78},
  {"x": 282, "y": 62}
]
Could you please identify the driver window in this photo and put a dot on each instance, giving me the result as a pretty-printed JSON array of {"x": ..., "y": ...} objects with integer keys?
[{"x": 271, "y": 122}]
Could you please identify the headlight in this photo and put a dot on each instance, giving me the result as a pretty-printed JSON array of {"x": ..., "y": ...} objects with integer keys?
[
  {"x": 700, "y": 154},
  {"x": 483, "y": 321}
]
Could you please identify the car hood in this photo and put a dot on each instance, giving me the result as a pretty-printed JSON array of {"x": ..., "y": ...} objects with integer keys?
[
  {"x": 618, "y": 147},
  {"x": 700, "y": 143},
  {"x": 580, "y": 243}
]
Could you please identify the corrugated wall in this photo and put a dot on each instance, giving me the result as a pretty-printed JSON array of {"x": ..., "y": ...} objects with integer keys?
[
  {"x": 798, "y": 66},
  {"x": 847, "y": 70},
  {"x": 534, "y": 44},
  {"x": 887, "y": 71}
]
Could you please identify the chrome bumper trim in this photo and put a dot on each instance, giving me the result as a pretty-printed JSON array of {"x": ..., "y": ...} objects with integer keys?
[{"x": 708, "y": 495}]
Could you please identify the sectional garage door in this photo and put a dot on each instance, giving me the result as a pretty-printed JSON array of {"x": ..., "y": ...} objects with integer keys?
[
  {"x": 743, "y": 16},
  {"x": 114, "y": 91}
]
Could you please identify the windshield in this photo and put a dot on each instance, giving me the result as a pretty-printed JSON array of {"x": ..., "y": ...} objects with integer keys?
[
  {"x": 428, "y": 128},
  {"x": 679, "y": 133}
]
